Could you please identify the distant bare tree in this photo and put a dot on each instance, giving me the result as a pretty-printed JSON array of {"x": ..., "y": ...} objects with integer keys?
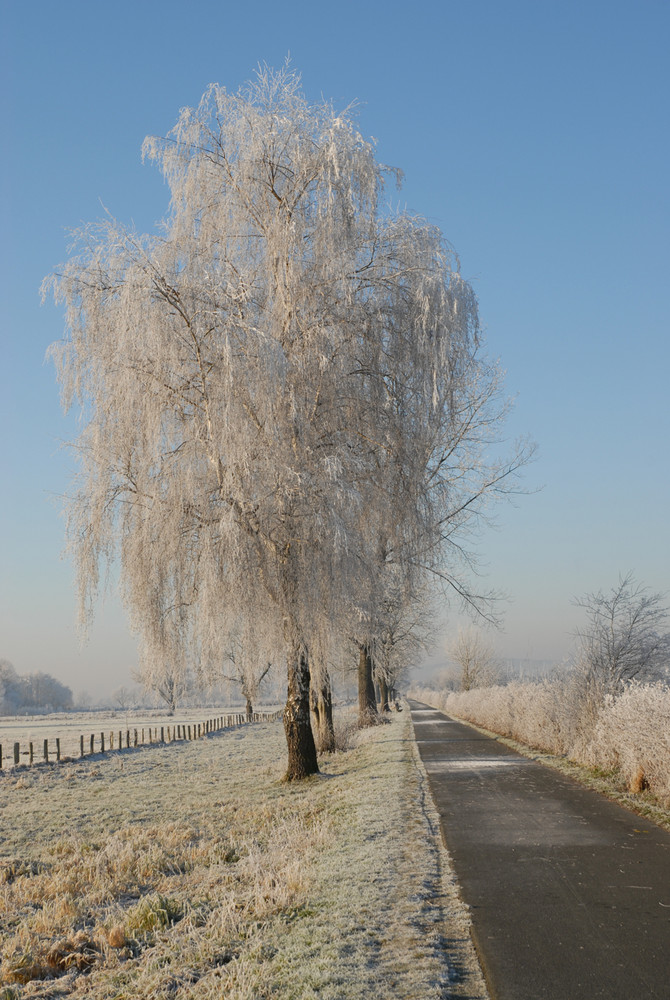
[
  {"x": 123, "y": 697},
  {"x": 625, "y": 637},
  {"x": 84, "y": 700},
  {"x": 475, "y": 659},
  {"x": 10, "y": 689},
  {"x": 247, "y": 679},
  {"x": 170, "y": 682}
]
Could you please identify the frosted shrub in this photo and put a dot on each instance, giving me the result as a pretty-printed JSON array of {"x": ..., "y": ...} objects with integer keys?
[
  {"x": 632, "y": 736},
  {"x": 627, "y": 733},
  {"x": 532, "y": 713}
]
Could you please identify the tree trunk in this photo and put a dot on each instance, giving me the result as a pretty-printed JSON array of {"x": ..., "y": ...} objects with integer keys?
[
  {"x": 299, "y": 738},
  {"x": 367, "y": 706},
  {"x": 315, "y": 710},
  {"x": 327, "y": 734},
  {"x": 384, "y": 694},
  {"x": 321, "y": 703},
  {"x": 250, "y": 707}
]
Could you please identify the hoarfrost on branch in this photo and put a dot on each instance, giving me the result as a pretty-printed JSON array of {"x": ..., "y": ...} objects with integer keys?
[{"x": 286, "y": 411}]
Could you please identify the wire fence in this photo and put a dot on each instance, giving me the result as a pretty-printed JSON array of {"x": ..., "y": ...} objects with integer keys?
[{"x": 57, "y": 748}]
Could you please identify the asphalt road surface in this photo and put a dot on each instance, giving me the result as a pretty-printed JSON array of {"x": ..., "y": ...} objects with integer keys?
[{"x": 569, "y": 893}]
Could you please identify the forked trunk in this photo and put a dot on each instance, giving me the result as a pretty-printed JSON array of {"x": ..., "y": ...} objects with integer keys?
[
  {"x": 327, "y": 731},
  {"x": 321, "y": 703},
  {"x": 384, "y": 694},
  {"x": 367, "y": 706},
  {"x": 299, "y": 738}
]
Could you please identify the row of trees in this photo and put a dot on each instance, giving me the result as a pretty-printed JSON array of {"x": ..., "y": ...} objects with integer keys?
[
  {"x": 31, "y": 694},
  {"x": 287, "y": 410}
]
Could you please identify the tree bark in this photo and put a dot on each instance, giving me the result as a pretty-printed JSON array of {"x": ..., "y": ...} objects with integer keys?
[
  {"x": 327, "y": 734},
  {"x": 384, "y": 694},
  {"x": 321, "y": 703},
  {"x": 367, "y": 705},
  {"x": 299, "y": 737},
  {"x": 250, "y": 707}
]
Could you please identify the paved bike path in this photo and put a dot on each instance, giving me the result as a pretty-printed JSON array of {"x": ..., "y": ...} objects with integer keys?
[{"x": 569, "y": 893}]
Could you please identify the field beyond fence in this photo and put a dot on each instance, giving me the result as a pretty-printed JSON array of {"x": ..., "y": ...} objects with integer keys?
[{"x": 70, "y": 744}]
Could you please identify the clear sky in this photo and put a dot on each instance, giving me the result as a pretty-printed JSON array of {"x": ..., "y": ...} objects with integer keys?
[{"x": 534, "y": 133}]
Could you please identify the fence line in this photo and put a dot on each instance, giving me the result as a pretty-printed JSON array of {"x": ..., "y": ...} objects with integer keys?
[{"x": 124, "y": 739}]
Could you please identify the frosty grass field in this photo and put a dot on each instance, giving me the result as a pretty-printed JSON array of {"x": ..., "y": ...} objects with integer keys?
[
  {"x": 191, "y": 869},
  {"x": 69, "y": 726}
]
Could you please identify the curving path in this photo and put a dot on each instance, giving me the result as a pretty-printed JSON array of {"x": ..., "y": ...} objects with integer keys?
[{"x": 569, "y": 893}]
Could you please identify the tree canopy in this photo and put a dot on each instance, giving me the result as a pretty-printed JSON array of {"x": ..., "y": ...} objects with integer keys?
[{"x": 287, "y": 411}]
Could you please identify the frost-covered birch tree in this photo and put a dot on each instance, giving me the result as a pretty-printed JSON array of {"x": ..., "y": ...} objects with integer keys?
[{"x": 283, "y": 379}]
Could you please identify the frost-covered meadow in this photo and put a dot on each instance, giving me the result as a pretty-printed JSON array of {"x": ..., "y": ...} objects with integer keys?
[
  {"x": 69, "y": 726},
  {"x": 192, "y": 869},
  {"x": 625, "y": 737}
]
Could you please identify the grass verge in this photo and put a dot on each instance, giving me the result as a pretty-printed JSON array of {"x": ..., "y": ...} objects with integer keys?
[{"x": 193, "y": 871}]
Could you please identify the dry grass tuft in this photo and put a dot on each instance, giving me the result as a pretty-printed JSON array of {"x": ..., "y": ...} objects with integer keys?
[{"x": 116, "y": 936}]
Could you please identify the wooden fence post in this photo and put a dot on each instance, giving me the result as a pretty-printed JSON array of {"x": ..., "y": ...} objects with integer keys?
[
  {"x": 102, "y": 742},
  {"x": 30, "y": 753},
  {"x": 92, "y": 742},
  {"x": 17, "y": 753},
  {"x": 46, "y": 751},
  {"x": 58, "y": 748}
]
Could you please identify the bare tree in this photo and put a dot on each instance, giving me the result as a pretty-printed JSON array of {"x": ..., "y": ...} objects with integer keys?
[
  {"x": 171, "y": 682},
  {"x": 123, "y": 697},
  {"x": 245, "y": 673},
  {"x": 11, "y": 696},
  {"x": 625, "y": 636},
  {"x": 407, "y": 629},
  {"x": 475, "y": 659},
  {"x": 280, "y": 380}
]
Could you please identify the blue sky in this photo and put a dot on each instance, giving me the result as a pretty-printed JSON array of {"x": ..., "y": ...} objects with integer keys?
[{"x": 534, "y": 134}]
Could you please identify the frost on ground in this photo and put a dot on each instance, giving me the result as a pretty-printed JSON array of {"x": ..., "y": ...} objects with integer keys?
[
  {"x": 192, "y": 870},
  {"x": 70, "y": 726}
]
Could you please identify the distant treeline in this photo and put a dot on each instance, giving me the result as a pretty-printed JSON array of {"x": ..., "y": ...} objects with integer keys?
[{"x": 31, "y": 694}]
